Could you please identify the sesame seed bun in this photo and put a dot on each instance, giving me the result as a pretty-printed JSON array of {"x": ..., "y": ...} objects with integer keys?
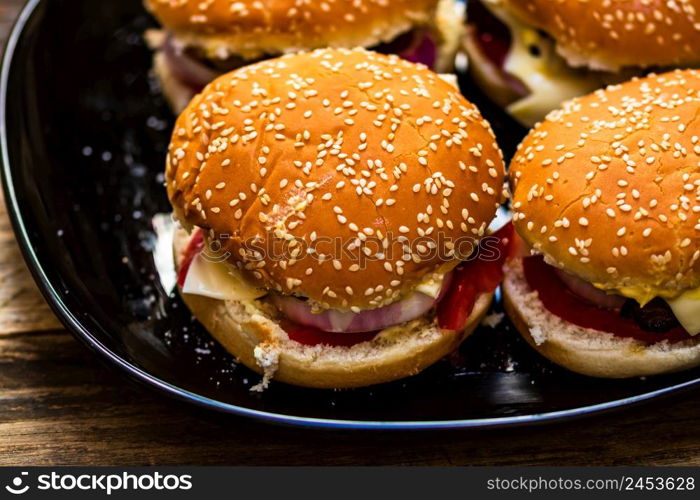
[
  {"x": 250, "y": 331},
  {"x": 584, "y": 350},
  {"x": 251, "y": 29},
  {"x": 336, "y": 146},
  {"x": 607, "y": 188},
  {"x": 606, "y": 34}
]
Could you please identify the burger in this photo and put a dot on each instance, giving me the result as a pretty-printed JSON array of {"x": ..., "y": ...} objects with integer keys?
[
  {"x": 201, "y": 40},
  {"x": 606, "y": 194},
  {"x": 531, "y": 55},
  {"x": 333, "y": 207}
]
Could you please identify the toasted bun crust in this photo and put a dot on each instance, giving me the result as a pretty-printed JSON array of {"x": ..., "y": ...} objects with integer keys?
[
  {"x": 587, "y": 351},
  {"x": 605, "y": 34},
  {"x": 336, "y": 147},
  {"x": 608, "y": 187},
  {"x": 251, "y": 28},
  {"x": 250, "y": 331}
]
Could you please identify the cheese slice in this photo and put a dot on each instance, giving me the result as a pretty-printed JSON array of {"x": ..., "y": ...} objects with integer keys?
[
  {"x": 449, "y": 78},
  {"x": 218, "y": 280},
  {"x": 550, "y": 79},
  {"x": 340, "y": 320},
  {"x": 431, "y": 285},
  {"x": 164, "y": 227},
  {"x": 686, "y": 308}
]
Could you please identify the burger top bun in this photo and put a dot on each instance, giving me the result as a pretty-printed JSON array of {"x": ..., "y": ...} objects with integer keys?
[
  {"x": 344, "y": 176},
  {"x": 252, "y": 28},
  {"x": 608, "y": 188},
  {"x": 608, "y": 34}
]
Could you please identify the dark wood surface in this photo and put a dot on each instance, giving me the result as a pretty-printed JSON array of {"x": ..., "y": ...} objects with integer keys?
[{"x": 59, "y": 405}]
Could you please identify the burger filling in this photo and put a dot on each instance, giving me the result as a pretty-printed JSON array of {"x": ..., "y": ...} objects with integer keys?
[
  {"x": 519, "y": 67},
  {"x": 582, "y": 304},
  {"x": 333, "y": 320},
  {"x": 195, "y": 71},
  {"x": 450, "y": 298}
]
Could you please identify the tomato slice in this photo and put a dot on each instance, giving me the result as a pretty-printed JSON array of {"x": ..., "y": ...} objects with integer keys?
[
  {"x": 195, "y": 246},
  {"x": 312, "y": 336},
  {"x": 560, "y": 301},
  {"x": 455, "y": 308},
  {"x": 481, "y": 274}
]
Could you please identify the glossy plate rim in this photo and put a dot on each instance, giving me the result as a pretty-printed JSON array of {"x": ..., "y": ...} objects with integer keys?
[{"x": 71, "y": 322}]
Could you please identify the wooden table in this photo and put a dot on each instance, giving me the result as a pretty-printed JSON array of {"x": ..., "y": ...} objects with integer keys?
[{"x": 59, "y": 405}]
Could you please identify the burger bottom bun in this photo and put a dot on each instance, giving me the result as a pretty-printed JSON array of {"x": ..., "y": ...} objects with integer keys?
[
  {"x": 250, "y": 331},
  {"x": 584, "y": 350}
]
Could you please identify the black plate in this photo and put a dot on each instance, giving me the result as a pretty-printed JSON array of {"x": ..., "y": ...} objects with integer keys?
[{"x": 84, "y": 133}]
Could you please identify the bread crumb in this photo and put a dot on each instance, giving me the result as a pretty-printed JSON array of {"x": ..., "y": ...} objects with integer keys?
[
  {"x": 155, "y": 38},
  {"x": 538, "y": 335},
  {"x": 493, "y": 320},
  {"x": 267, "y": 357}
]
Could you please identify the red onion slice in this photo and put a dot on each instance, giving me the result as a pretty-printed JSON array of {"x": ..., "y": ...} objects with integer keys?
[
  {"x": 501, "y": 86},
  {"x": 423, "y": 50},
  {"x": 488, "y": 42},
  {"x": 195, "y": 74},
  {"x": 187, "y": 68},
  {"x": 587, "y": 291},
  {"x": 336, "y": 321}
]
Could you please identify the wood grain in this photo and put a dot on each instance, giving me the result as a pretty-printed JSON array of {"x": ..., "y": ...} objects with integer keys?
[
  {"x": 60, "y": 406},
  {"x": 22, "y": 308}
]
